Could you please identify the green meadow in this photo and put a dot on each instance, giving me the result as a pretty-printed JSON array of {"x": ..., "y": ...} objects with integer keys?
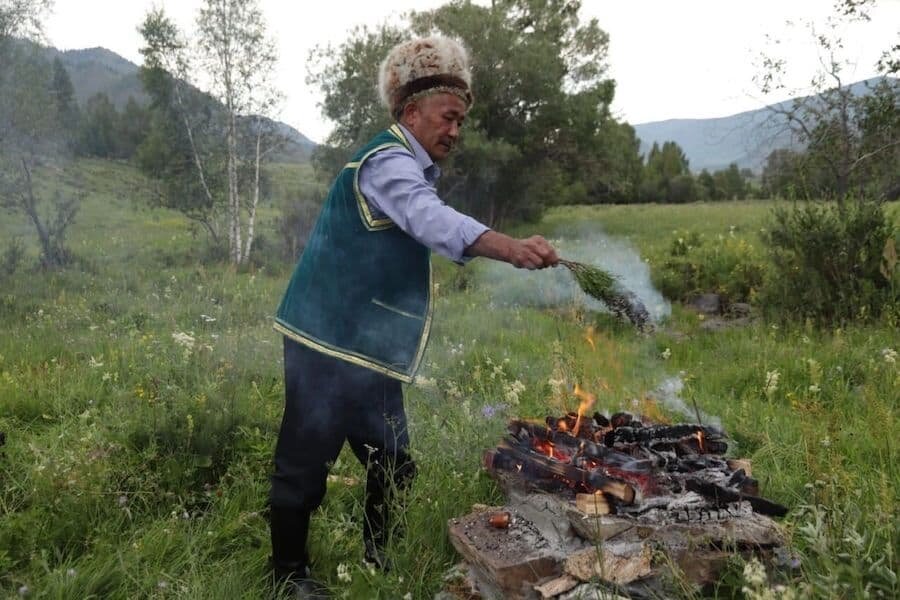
[{"x": 141, "y": 394}]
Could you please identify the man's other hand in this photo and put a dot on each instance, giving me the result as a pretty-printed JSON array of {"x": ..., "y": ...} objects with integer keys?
[{"x": 529, "y": 253}]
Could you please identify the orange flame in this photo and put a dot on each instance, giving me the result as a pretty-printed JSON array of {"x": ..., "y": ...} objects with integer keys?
[
  {"x": 699, "y": 436},
  {"x": 587, "y": 401},
  {"x": 589, "y": 337}
]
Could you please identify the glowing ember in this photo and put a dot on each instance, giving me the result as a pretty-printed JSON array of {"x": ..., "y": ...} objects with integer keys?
[{"x": 699, "y": 436}]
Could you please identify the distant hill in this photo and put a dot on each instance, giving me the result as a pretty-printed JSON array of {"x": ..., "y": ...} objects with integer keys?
[
  {"x": 746, "y": 138},
  {"x": 98, "y": 70}
]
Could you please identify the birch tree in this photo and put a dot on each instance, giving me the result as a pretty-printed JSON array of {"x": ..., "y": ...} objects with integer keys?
[
  {"x": 240, "y": 62},
  {"x": 233, "y": 58}
]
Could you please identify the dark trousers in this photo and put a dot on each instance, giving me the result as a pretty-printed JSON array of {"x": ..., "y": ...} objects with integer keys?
[{"x": 329, "y": 401}]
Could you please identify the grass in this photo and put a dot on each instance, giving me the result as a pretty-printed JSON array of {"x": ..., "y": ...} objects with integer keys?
[{"x": 141, "y": 395}]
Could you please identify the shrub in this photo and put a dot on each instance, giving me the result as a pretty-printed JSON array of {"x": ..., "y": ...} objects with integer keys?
[
  {"x": 827, "y": 262},
  {"x": 727, "y": 265},
  {"x": 12, "y": 258},
  {"x": 296, "y": 221}
]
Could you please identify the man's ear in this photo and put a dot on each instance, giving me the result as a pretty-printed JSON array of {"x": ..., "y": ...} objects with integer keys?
[{"x": 410, "y": 113}]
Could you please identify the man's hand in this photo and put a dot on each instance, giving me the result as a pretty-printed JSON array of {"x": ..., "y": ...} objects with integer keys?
[{"x": 531, "y": 253}]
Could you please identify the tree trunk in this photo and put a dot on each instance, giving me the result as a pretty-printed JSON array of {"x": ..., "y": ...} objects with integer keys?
[
  {"x": 29, "y": 204},
  {"x": 251, "y": 221}
]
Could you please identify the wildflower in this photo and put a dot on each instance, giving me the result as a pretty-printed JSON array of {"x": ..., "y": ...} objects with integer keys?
[
  {"x": 71, "y": 573},
  {"x": 162, "y": 584},
  {"x": 407, "y": 596},
  {"x": 426, "y": 382},
  {"x": 889, "y": 355},
  {"x": 826, "y": 442},
  {"x": 488, "y": 410},
  {"x": 343, "y": 573},
  {"x": 512, "y": 390},
  {"x": 754, "y": 574},
  {"x": 94, "y": 363},
  {"x": 24, "y": 591},
  {"x": 771, "y": 385},
  {"x": 207, "y": 319},
  {"x": 107, "y": 376},
  {"x": 666, "y": 354},
  {"x": 814, "y": 389},
  {"x": 184, "y": 339}
]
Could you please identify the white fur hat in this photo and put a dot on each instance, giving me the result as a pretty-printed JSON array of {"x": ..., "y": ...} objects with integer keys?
[{"x": 424, "y": 66}]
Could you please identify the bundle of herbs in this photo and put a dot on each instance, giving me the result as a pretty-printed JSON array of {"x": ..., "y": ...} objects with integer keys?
[{"x": 603, "y": 286}]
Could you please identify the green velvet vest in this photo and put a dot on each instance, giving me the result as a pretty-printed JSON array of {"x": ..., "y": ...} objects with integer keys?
[{"x": 361, "y": 291}]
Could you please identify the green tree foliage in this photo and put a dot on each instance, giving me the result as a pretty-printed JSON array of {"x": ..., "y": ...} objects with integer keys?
[
  {"x": 731, "y": 183},
  {"x": 851, "y": 142},
  {"x": 68, "y": 115},
  {"x": 540, "y": 131},
  {"x": 98, "y": 136},
  {"x": 827, "y": 261},
  {"x": 667, "y": 176},
  {"x": 31, "y": 138}
]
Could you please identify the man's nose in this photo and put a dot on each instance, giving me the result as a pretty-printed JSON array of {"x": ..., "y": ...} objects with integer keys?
[{"x": 454, "y": 130}]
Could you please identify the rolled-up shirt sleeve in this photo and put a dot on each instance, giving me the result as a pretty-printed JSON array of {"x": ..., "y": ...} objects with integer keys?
[{"x": 393, "y": 184}]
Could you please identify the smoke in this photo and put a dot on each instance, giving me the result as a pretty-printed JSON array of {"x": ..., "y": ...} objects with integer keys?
[
  {"x": 668, "y": 393},
  {"x": 556, "y": 287}
]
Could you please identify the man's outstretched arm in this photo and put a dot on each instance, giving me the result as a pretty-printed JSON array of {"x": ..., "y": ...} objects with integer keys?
[{"x": 530, "y": 253}]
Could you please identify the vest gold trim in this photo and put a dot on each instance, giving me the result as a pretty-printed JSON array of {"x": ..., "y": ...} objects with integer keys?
[
  {"x": 371, "y": 223},
  {"x": 361, "y": 361}
]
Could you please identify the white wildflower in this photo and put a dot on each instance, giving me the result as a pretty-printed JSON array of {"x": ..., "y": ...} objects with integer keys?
[
  {"x": 426, "y": 382},
  {"x": 95, "y": 363},
  {"x": 107, "y": 376},
  {"x": 512, "y": 390},
  {"x": 771, "y": 385},
  {"x": 343, "y": 573},
  {"x": 826, "y": 442},
  {"x": 71, "y": 572},
  {"x": 754, "y": 573},
  {"x": 814, "y": 389},
  {"x": 666, "y": 354},
  {"x": 557, "y": 385},
  {"x": 207, "y": 319},
  {"x": 889, "y": 355},
  {"x": 184, "y": 339},
  {"x": 407, "y": 596},
  {"x": 24, "y": 590}
]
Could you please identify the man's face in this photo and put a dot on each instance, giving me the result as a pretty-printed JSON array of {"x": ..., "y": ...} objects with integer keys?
[{"x": 435, "y": 120}]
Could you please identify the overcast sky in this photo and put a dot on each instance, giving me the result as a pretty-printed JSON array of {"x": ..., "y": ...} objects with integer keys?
[{"x": 687, "y": 59}]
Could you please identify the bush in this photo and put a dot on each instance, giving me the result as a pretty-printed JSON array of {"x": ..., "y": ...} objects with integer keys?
[
  {"x": 12, "y": 258},
  {"x": 827, "y": 262},
  {"x": 295, "y": 224},
  {"x": 727, "y": 265}
]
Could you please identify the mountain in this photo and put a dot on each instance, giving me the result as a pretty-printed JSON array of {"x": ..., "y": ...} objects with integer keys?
[
  {"x": 98, "y": 70},
  {"x": 745, "y": 138}
]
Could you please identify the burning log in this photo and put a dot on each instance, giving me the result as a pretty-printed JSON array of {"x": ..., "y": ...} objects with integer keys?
[
  {"x": 508, "y": 457},
  {"x": 722, "y": 496},
  {"x": 608, "y": 490}
]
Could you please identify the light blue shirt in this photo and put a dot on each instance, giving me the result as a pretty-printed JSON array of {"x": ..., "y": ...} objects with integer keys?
[{"x": 401, "y": 187}]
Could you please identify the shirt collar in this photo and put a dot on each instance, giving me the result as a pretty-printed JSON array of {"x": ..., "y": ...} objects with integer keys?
[{"x": 422, "y": 157}]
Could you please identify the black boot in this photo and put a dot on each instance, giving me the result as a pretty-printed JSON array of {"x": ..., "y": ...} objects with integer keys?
[{"x": 289, "y": 530}]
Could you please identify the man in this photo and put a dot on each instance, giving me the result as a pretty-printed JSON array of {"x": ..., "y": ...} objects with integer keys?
[{"x": 357, "y": 312}]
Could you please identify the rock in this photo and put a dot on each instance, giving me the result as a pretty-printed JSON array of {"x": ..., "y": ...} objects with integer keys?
[
  {"x": 738, "y": 310},
  {"x": 708, "y": 304}
]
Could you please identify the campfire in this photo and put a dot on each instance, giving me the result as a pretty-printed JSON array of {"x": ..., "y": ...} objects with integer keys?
[{"x": 615, "y": 503}]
